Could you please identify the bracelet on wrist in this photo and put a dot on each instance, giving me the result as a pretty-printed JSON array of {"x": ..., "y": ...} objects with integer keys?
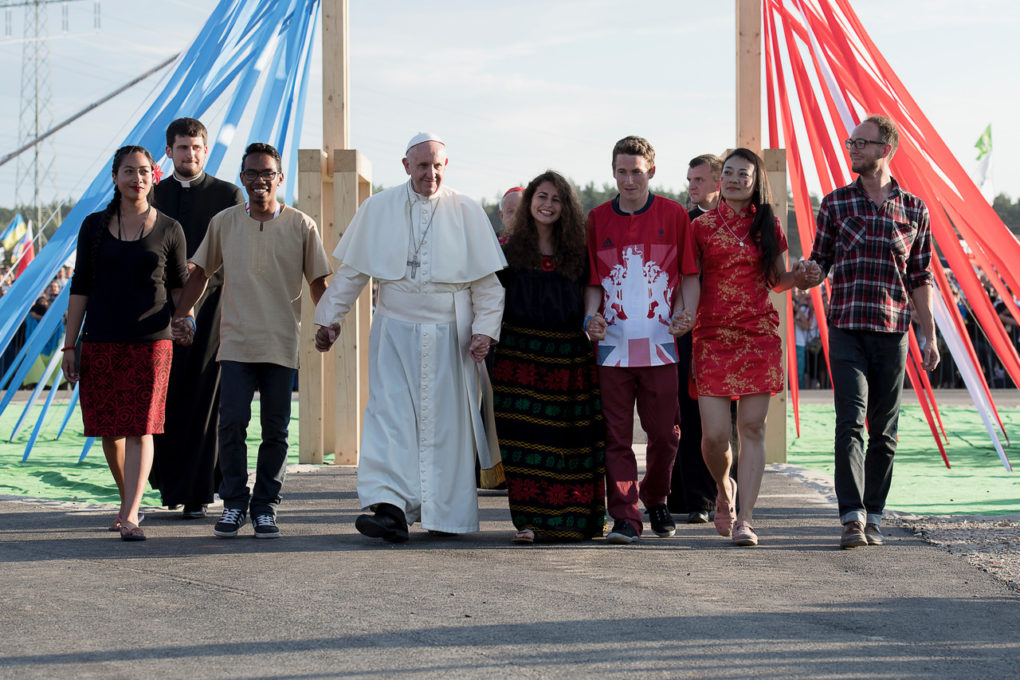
[
  {"x": 584, "y": 324},
  {"x": 69, "y": 347}
]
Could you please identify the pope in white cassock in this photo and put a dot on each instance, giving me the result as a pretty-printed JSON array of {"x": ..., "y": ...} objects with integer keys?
[{"x": 439, "y": 307}]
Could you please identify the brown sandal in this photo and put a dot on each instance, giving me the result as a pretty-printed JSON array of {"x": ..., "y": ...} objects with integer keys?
[{"x": 131, "y": 533}]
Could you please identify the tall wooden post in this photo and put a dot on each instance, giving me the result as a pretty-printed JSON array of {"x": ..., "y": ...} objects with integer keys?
[
  {"x": 748, "y": 91},
  {"x": 334, "y": 387},
  {"x": 749, "y": 74}
]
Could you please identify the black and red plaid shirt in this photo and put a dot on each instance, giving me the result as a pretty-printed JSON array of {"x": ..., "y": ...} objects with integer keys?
[{"x": 878, "y": 255}]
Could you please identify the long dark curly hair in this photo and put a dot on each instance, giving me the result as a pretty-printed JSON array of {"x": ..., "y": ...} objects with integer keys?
[
  {"x": 114, "y": 205},
  {"x": 568, "y": 233},
  {"x": 763, "y": 226}
]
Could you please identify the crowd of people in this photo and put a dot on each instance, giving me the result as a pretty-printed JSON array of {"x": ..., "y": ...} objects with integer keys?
[{"x": 526, "y": 355}]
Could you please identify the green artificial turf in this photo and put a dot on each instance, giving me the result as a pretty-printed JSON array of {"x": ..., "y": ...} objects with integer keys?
[
  {"x": 53, "y": 471},
  {"x": 976, "y": 484}
]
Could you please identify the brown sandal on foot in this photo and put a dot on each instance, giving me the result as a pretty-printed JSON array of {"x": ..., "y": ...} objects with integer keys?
[{"x": 131, "y": 533}]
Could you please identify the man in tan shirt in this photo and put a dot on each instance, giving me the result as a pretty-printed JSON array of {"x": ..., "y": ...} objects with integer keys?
[{"x": 265, "y": 248}]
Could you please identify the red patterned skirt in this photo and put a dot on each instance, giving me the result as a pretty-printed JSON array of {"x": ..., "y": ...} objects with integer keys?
[{"x": 123, "y": 387}]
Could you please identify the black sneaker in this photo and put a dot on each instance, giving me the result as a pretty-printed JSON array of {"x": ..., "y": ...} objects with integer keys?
[
  {"x": 265, "y": 526},
  {"x": 623, "y": 533},
  {"x": 230, "y": 521},
  {"x": 661, "y": 521},
  {"x": 193, "y": 511}
]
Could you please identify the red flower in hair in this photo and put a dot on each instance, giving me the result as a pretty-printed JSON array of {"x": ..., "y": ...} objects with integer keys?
[{"x": 157, "y": 174}]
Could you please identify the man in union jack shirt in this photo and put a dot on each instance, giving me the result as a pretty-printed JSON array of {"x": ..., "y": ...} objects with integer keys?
[{"x": 875, "y": 240}]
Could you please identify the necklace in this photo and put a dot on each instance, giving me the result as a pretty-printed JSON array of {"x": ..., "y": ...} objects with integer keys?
[
  {"x": 722, "y": 219},
  {"x": 141, "y": 227},
  {"x": 414, "y": 262}
]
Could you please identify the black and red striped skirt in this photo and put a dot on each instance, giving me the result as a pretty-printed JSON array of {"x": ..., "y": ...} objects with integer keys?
[{"x": 123, "y": 387}]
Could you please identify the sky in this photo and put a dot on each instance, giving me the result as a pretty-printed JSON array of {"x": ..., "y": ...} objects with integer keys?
[{"x": 517, "y": 88}]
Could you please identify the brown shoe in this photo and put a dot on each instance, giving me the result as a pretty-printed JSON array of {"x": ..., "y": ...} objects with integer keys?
[
  {"x": 873, "y": 534},
  {"x": 853, "y": 535}
]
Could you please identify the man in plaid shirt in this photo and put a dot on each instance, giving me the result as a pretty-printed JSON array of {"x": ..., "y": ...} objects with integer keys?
[{"x": 876, "y": 240}]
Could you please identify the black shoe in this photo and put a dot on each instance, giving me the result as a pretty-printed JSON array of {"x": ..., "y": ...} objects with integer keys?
[
  {"x": 193, "y": 511},
  {"x": 230, "y": 521},
  {"x": 697, "y": 517},
  {"x": 662, "y": 522},
  {"x": 265, "y": 526},
  {"x": 623, "y": 533},
  {"x": 388, "y": 523}
]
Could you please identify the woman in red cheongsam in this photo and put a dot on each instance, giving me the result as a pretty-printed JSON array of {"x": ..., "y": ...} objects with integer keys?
[{"x": 737, "y": 349}]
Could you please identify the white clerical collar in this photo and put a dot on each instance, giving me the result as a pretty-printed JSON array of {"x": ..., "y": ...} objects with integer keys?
[
  {"x": 420, "y": 197},
  {"x": 187, "y": 182}
]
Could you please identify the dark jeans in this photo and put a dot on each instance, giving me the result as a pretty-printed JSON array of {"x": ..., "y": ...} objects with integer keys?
[
  {"x": 238, "y": 382},
  {"x": 867, "y": 380}
]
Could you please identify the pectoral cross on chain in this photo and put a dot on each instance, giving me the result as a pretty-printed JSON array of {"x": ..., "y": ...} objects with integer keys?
[{"x": 414, "y": 264}]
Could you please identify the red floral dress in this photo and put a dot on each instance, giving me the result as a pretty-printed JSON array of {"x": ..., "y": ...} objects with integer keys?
[{"x": 737, "y": 349}]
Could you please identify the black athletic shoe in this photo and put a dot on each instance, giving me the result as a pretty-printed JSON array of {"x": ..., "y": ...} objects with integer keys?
[
  {"x": 661, "y": 521},
  {"x": 623, "y": 533},
  {"x": 230, "y": 521},
  {"x": 265, "y": 526},
  {"x": 388, "y": 523}
]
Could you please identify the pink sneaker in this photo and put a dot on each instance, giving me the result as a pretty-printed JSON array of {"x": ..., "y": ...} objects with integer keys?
[
  {"x": 743, "y": 534},
  {"x": 724, "y": 512}
]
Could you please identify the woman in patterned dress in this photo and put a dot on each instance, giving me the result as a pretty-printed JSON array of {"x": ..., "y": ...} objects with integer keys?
[
  {"x": 737, "y": 349},
  {"x": 546, "y": 397},
  {"x": 130, "y": 260}
]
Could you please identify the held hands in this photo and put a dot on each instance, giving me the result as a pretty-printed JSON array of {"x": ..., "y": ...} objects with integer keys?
[
  {"x": 680, "y": 323},
  {"x": 479, "y": 346},
  {"x": 325, "y": 336},
  {"x": 182, "y": 329},
  {"x": 807, "y": 273},
  {"x": 595, "y": 326}
]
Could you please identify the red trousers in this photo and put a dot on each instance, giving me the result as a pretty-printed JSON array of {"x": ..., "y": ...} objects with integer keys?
[{"x": 654, "y": 388}]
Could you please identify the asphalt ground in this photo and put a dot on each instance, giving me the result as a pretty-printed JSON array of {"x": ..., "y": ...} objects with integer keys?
[{"x": 325, "y": 602}]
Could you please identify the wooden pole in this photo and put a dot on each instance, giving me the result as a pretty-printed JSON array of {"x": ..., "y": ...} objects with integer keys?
[
  {"x": 351, "y": 186},
  {"x": 311, "y": 447},
  {"x": 749, "y": 74},
  {"x": 748, "y": 91}
]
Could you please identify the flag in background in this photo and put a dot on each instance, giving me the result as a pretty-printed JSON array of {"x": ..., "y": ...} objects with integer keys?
[
  {"x": 23, "y": 252},
  {"x": 983, "y": 172},
  {"x": 13, "y": 232}
]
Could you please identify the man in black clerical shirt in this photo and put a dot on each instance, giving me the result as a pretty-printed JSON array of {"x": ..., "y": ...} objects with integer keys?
[{"x": 184, "y": 468}]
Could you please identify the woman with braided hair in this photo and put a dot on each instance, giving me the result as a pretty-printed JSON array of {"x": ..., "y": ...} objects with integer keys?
[{"x": 130, "y": 266}]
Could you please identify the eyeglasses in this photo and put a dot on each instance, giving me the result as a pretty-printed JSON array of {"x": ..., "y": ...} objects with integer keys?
[
  {"x": 252, "y": 175},
  {"x": 861, "y": 143}
]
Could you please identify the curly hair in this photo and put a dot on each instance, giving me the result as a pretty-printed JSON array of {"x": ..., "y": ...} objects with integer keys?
[
  {"x": 763, "y": 227},
  {"x": 569, "y": 232}
]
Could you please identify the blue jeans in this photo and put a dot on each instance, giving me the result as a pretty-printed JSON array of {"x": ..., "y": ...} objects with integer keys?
[
  {"x": 238, "y": 382},
  {"x": 867, "y": 380}
]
